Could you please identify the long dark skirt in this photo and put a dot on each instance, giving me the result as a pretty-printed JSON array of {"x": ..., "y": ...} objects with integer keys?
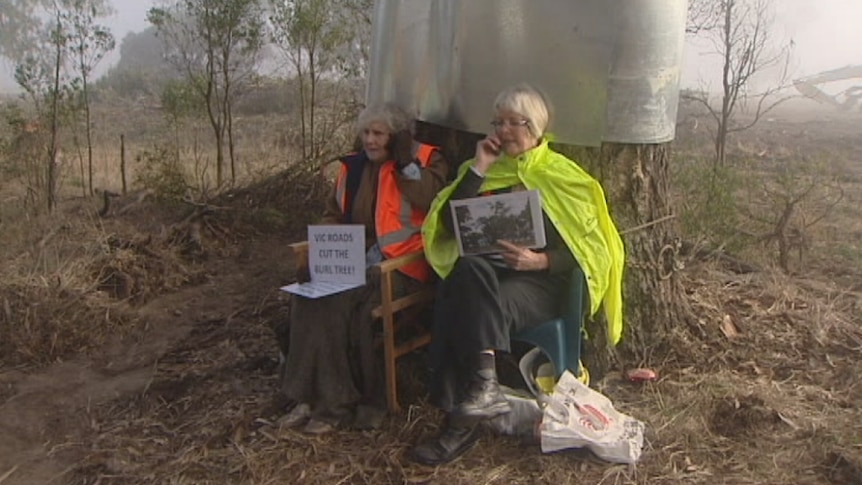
[
  {"x": 478, "y": 307},
  {"x": 331, "y": 363}
]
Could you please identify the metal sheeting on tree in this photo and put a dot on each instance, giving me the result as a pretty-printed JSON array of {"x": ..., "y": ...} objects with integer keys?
[{"x": 610, "y": 68}]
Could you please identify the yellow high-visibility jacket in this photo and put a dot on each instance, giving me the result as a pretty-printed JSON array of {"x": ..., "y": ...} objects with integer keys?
[{"x": 574, "y": 202}]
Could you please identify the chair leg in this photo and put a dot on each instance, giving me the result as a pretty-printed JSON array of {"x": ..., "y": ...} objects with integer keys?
[
  {"x": 389, "y": 344},
  {"x": 389, "y": 357}
]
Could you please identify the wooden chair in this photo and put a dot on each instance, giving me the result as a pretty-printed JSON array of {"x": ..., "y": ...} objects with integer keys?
[{"x": 394, "y": 312}]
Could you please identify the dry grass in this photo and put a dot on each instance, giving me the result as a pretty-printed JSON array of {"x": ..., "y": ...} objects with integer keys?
[
  {"x": 70, "y": 281},
  {"x": 774, "y": 403},
  {"x": 763, "y": 389}
]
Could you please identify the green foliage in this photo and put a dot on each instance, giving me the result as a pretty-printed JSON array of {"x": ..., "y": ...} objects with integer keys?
[
  {"x": 13, "y": 119},
  {"x": 269, "y": 96},
  {"x": 710, "y": 207},
  {"x": 64, "y": 45},
  {"x": 161, "y": 171},
  {"x": 89, "y": 42},
  {"x": 130, "y": 83},
  {"x": 180, "y": 100},
  {"x": 24, "y": 154},
  {"x": 19, "y": 26},
  {"x": 216, "y": 44},
  {"x": 323, "y": 40}
]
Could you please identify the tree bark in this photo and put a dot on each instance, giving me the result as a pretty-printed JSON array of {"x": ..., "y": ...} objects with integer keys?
[
  {"x": 123, "y": 161},
  {"x": 636, "y": 180},
  {"x": 89, "y": 135},
  {"x": 51, "y": 187}
]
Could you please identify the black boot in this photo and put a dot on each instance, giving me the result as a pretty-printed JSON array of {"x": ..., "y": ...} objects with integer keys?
[
  {"x": 484, "y": 400},
  {"x": 454, "y": 440}
]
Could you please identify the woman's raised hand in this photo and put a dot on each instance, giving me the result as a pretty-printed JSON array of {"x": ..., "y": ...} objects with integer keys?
[{"x": 487, "y": 152}]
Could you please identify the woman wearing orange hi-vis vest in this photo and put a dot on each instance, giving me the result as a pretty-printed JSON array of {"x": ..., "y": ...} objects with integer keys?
[{"x": 330, "y": 369}]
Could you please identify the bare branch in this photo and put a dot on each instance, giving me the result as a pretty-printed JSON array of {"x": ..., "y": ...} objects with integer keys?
[
  {"x": 702, "y": 16},
  {"x": 740, "y": 35}
]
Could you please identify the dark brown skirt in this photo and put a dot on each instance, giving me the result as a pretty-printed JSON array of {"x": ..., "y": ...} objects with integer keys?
[{"x": 331, "y": 363}]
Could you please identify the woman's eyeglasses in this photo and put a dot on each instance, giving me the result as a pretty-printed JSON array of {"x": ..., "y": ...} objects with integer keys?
[{"x": 499, "y": 124}]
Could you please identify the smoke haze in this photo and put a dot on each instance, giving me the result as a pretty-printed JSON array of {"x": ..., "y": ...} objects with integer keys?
[{"x": 826, "y": 34}]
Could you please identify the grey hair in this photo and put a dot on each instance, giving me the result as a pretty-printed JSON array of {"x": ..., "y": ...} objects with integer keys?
[
  {"x": 528, "y": 102},
  {"x": 391, "y": 115}
]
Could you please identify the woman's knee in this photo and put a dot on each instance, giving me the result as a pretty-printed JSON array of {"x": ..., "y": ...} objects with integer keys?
[{"x": 470, "y": 266}]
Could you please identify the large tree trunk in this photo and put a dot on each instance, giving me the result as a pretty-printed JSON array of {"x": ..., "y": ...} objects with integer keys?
[{"x": 636, "y": 180}]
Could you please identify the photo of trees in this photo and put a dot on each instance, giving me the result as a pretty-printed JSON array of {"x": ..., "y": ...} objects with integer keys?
[{"x": 483, "y": 221}]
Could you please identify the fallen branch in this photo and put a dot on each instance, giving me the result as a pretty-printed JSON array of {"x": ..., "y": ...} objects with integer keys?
[
  {"x": 736, "y": 265},
  {"x": 8, "y": 474},
  {"x": 648, "y": 224}
]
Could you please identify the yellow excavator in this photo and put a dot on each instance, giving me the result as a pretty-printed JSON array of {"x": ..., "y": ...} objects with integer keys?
[{"x": 846, "y": 100}]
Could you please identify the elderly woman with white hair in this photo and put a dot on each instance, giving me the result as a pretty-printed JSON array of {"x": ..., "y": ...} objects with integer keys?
[
  {"x": 483, "y": 300},
  {"x": 331, "y": 370}
]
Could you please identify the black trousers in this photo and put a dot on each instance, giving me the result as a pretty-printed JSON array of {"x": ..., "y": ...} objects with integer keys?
[{"x": 478, "y": 307}]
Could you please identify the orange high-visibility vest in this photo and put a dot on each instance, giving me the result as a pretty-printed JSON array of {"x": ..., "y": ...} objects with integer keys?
[{"x": 396, "y": 221}]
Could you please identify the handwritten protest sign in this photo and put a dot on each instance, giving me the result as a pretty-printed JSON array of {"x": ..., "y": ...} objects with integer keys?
[
  {"x": 336, "y": 260},
  {"x": 336, "y": 254}
]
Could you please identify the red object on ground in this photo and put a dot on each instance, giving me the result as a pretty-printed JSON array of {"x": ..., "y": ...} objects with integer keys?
[{"x": 641, "y": 375}]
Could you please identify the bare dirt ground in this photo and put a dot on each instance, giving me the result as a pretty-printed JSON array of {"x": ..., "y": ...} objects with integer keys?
[{"x": 182, "y": 388}]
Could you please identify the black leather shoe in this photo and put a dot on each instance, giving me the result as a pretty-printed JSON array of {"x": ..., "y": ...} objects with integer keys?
[
  {"x": 484, "y": 398},
  {"x": 453, "y": 442}
]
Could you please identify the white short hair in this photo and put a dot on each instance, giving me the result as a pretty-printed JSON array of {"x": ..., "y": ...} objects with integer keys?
[
  {"x": 391, "y": 115},
  {"x": 528, "y": 102}
]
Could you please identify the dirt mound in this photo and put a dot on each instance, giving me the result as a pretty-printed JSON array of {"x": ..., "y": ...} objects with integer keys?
[
  {"x": 286, "y": 202},
  {"x": 41, "y": 324},
  {"x": 743, "y": 416},
  {"x": 137, "y": 270}
]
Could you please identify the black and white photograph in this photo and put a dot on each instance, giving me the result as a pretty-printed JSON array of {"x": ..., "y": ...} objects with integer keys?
[{"x": 515, "y": 217}]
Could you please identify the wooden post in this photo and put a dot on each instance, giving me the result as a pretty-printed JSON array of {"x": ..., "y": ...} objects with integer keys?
[{"x": 123, "y": 161}]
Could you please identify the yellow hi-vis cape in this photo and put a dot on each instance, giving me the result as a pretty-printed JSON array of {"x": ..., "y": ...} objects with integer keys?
[{"x": 575, "y": 204}]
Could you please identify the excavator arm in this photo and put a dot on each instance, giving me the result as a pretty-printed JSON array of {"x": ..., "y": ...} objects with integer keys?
[{"x": 845, "y": 100}]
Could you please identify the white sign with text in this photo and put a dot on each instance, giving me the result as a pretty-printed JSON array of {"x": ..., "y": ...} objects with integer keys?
[{"x": 336, "y": 260}]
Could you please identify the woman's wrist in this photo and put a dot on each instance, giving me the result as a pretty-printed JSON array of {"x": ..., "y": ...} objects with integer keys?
[
  {"x": 543, "y": 262},
  {"x": 481, "y": 167}
]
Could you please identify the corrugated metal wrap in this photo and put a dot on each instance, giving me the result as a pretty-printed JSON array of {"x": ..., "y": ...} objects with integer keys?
[{"x": 610, "y": 68}]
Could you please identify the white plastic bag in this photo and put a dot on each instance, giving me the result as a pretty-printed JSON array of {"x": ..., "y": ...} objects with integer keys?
[
  {"x": 576, "y": 416},
  {"x": 524, "y": 418}
]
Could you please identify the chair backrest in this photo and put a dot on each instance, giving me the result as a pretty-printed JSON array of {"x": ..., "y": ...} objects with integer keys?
[{"x": 560, "y": 338}]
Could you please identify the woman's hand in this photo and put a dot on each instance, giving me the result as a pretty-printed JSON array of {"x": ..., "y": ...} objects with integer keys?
[
  {"x": 487, "y": 152},
  {"x": 400, "y": 148},
  {"x": 522, "y": 259}
]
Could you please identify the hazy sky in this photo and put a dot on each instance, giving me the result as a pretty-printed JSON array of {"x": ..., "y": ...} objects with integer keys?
[{"x": 826, "y": 33}]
